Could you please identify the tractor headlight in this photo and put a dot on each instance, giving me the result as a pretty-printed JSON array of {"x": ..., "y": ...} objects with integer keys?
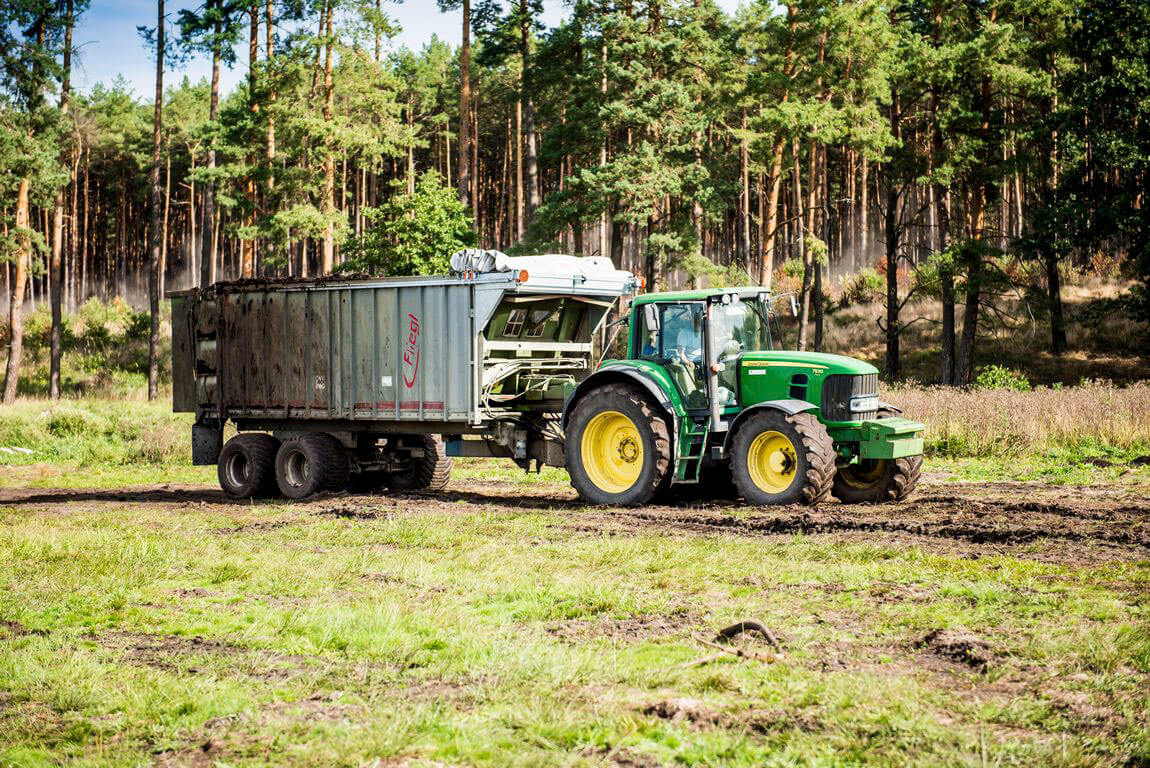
[{"x": 864, "y": 404}]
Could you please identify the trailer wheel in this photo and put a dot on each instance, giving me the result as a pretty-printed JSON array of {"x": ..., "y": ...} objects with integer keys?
[
  {"x": 429, "y": 472},
  {"x": 618, "y": 448},
  {"x": 247, "y": 466},
  {"x": 311, "y": 463},
  {"x": 781, "y": 459}
]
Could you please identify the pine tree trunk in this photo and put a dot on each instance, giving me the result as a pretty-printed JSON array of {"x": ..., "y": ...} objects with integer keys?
[
  {"x": 269, "y": 35},
  {"x": 167, "y": 206},
  {"x": 85, "y": 244},
  {"x": 16, "y": 299},
  {"x": 56, "y": 265},
  {"x": 604, "y": 219},
  {"x": 154, "y": 225},
  {"x": 328, "y": 261},
  {"x": 464, "y": 164},
  {"x": 771, "y": 230},
  {"x": 745, "y": 163},
  {"x": 520, "y": 223},
  {"x": 970, "y": 310},
  {"x": 532, "y": 160},
  {"x": 800, "y": 240},
  {"x": 208, "y": 227},
  {"x": 893, "y": 235}
]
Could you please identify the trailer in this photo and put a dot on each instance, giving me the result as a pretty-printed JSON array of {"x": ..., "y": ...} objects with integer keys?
[{"x": 374, "y": 382}]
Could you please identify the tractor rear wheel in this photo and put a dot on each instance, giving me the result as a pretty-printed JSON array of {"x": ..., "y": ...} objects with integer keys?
[
  {"x": 429, "y": 472},
  {"x": 877, "y": 480},
  {"x": 782, "y": 459},
  {"x": 311, "y": 463},
  {"x": 247, "y": 466},
  {"x": 618, "y": 447}
]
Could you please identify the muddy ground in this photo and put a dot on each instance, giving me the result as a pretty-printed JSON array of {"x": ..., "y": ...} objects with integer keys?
[{"x": 1050, "y": 523}]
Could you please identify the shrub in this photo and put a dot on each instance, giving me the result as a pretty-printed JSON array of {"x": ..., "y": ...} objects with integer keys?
[
  {"x": 1001, "y": 377},
  {"x": 65, "y": 421},
  {"x": 793, "y": 268},
  {"x": 412, "y": 234},
  {"x": 864, "y": 287}
]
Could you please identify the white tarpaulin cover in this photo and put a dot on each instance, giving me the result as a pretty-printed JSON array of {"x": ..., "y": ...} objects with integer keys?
[{"x": 480, "y": 260}]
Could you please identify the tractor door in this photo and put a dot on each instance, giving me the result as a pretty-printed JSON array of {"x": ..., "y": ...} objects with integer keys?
[{"x": 671, "y": 334}]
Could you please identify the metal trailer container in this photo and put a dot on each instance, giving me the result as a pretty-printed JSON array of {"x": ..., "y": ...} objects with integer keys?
[{"x": 492, "y": 355}]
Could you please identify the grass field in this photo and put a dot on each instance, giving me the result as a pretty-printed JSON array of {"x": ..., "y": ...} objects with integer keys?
[{"x": 998, "y": 618}]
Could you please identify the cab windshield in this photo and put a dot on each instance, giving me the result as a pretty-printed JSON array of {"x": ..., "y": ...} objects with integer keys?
[{"x": 741, "y": 326}]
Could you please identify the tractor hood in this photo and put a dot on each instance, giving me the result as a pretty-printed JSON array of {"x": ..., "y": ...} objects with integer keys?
[{"x": 815, "y": 361}]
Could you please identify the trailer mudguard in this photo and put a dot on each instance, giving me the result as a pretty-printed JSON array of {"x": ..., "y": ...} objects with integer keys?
[
  {"x": 620, "y": 373},
  {"x": 789, "y": 407}
]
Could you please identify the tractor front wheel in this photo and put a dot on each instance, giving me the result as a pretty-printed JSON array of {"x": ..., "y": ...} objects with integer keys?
[
  {"x": 781, "y": 459},
  {"x": 877, "y": 480},
  {"x": 618, "y": 448}
]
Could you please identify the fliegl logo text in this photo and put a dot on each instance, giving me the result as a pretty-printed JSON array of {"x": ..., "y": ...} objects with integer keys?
[{"x": 411, "y": 352}]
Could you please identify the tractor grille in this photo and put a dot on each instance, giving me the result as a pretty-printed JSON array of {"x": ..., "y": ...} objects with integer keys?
[{"x": 839, "y": 388}]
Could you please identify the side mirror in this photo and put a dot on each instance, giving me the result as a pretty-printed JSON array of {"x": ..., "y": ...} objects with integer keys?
[{"x": 651, "y": 317}]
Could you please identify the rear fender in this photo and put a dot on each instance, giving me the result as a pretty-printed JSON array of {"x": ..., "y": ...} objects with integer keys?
[
  {"x": 617, "y": 374},
  {"x": 789, "y": 407}
]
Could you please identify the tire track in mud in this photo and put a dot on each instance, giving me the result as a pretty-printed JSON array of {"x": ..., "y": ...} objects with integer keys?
[{"x": 975, "y": 521}]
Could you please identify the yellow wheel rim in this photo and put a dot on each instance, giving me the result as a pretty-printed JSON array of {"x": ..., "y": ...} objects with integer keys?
[
  {"x": 863, "y": 474},
  {"x": 772, "y": 462},
  {"x": 612, "y": 452}
]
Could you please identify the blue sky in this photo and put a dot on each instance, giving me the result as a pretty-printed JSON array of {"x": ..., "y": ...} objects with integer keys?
[{"x": 108, "y": 44}]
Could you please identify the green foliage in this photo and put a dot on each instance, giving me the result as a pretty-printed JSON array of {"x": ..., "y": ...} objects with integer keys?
[
  {"x": 864, "y": 287},
  {"x": 412, "y": 234},
  {"x": 817, "y": 248},
  {"x": 793, "y": 268},
  {"x": 1000, "y": 377}
]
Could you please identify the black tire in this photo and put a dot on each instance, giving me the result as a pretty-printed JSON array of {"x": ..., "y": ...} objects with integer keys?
[
  {"x": 652, "y": 476},
  {"x": 809, "y": 461},
  {"x": 430, "y": 472},
  {"x": 877, "y": 480},
  {"x": 311, "y": 463},
  {"x": 247, "y": 466}
]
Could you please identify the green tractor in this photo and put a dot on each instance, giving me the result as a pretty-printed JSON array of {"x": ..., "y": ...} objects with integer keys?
[{"x": 704, "y": 398}]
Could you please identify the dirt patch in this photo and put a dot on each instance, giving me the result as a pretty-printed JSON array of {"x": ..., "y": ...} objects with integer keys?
[
  {"x": 757, "y": 720},
  {"x": 16, "y": 629},
  {"x": 632, "y": 628},
  {"x": 257, "y": 527},
  {"x": 1050, "y": 525},
  {"x": 357, "y": 511},
  {"x": 958, "y": 646},
  {"x": 191, "y": 655}
]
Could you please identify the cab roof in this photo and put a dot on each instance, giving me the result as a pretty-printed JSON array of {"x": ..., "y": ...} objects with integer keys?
[{"x": 699, "y": 294}]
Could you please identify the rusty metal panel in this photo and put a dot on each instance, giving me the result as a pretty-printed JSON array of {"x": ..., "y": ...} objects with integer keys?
[
  {"x": 183, "y": 357},
  {"x": 376, "y": 351}
]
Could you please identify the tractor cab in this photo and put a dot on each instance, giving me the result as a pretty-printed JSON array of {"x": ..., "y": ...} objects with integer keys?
[{"x": 698, "y": 338}]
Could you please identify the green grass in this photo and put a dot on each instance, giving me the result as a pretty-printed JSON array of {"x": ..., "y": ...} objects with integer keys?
[{"x": 483, "y": 635}]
